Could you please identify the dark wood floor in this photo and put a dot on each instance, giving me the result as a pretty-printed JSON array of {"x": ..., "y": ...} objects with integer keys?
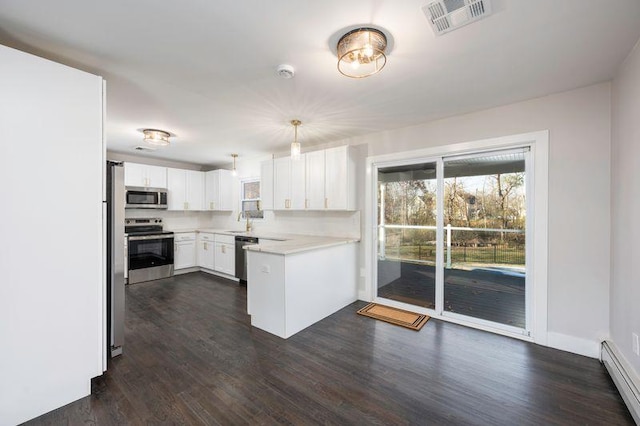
[
  {"x": 491, "y": 295},
  {"x": 191, "y": 357}
]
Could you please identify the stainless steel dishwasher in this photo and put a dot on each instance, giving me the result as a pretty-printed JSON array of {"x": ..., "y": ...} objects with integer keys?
[{"x": 241, "y": 256}]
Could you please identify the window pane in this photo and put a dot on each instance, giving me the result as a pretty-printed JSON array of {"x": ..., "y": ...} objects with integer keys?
[
  {"x": 407, "y": 233},
  {"x": 484, "y": 244},
  {"x": 251, "y": 190},
  {"x": 251, "y": 209}
]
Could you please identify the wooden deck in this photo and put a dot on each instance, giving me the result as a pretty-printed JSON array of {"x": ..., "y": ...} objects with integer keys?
[{"x": 489, "y": 294}]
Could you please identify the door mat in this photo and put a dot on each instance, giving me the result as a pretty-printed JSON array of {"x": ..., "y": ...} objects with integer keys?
[{"x": 395, "y": 316}]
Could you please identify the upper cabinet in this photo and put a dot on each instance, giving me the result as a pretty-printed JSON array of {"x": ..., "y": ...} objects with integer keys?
[
  {"x": 340, "y": 179},
  {"x": 320, "y": 180},
  {"x": 315, "y": 172},
  {"x": 289, "y": 183},
  {"x": 219, "y": 190},
  {"x": 144, "y": 175},
  {"x": 186, "y": 189}
]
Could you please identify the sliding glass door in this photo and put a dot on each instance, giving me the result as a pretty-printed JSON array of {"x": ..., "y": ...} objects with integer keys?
[
  {"x": 484, "y": 237},
  {"x": 407, "y": 216},
  {"x": 452, "y": 236}
]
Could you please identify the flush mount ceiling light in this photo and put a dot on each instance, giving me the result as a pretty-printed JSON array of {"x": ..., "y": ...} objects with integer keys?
[
  {"x": 234, "y": 171},
  {"x": 156, "y": 137},
  {"x": 295, "y": 145},
  {"x": 361, "y": 52}
]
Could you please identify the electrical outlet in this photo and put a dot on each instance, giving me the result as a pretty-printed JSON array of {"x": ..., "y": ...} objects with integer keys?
[
  {"x": 265, "y": 269},
  {"x": 636, "y": 344}
]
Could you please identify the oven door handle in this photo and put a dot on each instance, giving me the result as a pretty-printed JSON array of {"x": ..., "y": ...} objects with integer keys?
[{"x": 150, "y": 237}]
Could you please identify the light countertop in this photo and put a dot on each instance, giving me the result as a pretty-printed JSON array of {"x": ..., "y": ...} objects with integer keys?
[
  {"x": 278, "y": 243},
  {"x": 298, "y": 244}
]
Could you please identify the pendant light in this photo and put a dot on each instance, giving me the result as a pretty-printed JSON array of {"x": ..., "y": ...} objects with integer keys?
[
  {"x": 234, "y": 172},
  {"x": 295, "y": 145},
  {"x": 361, "y": 52}
]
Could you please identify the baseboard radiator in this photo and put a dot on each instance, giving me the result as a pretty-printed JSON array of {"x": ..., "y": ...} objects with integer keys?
[{"x": 623, "y": 377}]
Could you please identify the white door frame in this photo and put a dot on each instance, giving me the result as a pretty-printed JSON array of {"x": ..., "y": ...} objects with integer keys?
[{"x": 537, "y": 237}]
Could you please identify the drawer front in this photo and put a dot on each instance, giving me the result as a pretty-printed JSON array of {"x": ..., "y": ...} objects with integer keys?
[
  {"x": 186, "y": 236},
  {"x": 225, "y": 239},
  {"x": 206, "y": 237}
]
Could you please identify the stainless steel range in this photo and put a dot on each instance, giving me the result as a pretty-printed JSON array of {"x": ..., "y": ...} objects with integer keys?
[{"x": 149, "y": 250}]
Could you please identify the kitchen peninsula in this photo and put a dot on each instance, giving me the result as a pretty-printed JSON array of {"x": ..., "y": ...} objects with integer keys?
[{"x": 295, "y": 283}]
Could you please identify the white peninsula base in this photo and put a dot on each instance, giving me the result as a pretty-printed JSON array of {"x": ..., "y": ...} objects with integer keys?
[{"x": 287, "y": 293}]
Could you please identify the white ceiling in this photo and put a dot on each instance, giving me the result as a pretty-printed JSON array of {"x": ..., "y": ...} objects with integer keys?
[{"x": 205, "y": 70}]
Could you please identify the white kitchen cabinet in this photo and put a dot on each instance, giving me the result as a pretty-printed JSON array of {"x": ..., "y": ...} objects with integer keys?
[
  {"x": 289, "y": 183},
  {"x": 206, "y": 250},
  {"x": 219, "y": 190},
  {"x": 266, "y": 185},
  {"x": 340, "y": 177},
  {"x": 144, "y": 175},
  {"x": 185, "y": 189},
  {"x": 315, "y": 180},
  {"x": 225, "y": 257},
  {"x": 184, "y": 253}
]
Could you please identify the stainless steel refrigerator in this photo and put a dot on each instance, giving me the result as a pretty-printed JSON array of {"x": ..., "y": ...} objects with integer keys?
[{"x": 115, "y": 257}]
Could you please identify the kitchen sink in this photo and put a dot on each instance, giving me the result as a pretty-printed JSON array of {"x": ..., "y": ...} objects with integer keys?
[{"x": 236, "y": 232}]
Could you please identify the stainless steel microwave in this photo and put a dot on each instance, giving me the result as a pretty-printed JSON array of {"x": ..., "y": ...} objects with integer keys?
[{"x": 145, "y": 198}]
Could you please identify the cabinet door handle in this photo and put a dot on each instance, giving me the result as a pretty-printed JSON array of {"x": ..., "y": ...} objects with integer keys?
[
  {"x": 186, "y": 206},
  {"x": 211, "y": 205},
  {"x": 223, "y": 249},
  {"x": 205, "y": 246},
  {"x": 306, "y": 203},
  {"x": 326, "y": 203}
]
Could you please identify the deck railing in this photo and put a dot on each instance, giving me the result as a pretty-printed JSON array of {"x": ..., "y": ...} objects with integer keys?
[{"x": 472, "y": 245}]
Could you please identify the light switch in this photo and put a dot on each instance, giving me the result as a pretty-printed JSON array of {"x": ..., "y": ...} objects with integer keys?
[{"x": 266, "y": 269}]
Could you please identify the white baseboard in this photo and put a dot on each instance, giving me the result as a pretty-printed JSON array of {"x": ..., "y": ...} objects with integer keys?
[
  {"x": 573, "y": 344},
  {"x": 623, "y": 376}
]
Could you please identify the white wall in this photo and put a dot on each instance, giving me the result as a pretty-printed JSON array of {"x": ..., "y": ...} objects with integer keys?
[
  {"x": 51, "y": 294},
  {"x": 579, "y": 190},
  {"x": 625, "y": 202}
]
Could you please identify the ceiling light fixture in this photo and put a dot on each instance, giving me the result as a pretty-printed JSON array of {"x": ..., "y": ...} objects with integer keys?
[
  {"x": 361, "y": 52},
  {"x": 234, "y": 171},
  {"x": 156, "y": 137},
  {"x": 295, "y": 145}
]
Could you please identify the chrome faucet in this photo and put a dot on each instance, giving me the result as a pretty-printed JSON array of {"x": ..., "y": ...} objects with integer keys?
[{"x": 248, "y": 224}]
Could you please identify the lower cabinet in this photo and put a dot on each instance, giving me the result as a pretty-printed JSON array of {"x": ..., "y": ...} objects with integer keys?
[
  {"x": 216, "y": 252},
  {"x": 184, "y": 255},
  {"x": 225, "y": 258},
  {"x": 206, "y": 250}
]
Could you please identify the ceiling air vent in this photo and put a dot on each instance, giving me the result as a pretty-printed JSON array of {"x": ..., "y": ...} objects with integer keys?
[
  {"x": 448, "y": 15},
  {"x": 144, "y": 148}
]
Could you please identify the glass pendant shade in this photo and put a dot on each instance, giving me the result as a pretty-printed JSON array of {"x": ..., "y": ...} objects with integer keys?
[
  {"x": 361, "y": 52},
  {"x": 295, "y": 150},
  {"x": 295, "y": 145},
  {"x": 156, "y": 137},
  {"x": 234, "y": 171}
]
